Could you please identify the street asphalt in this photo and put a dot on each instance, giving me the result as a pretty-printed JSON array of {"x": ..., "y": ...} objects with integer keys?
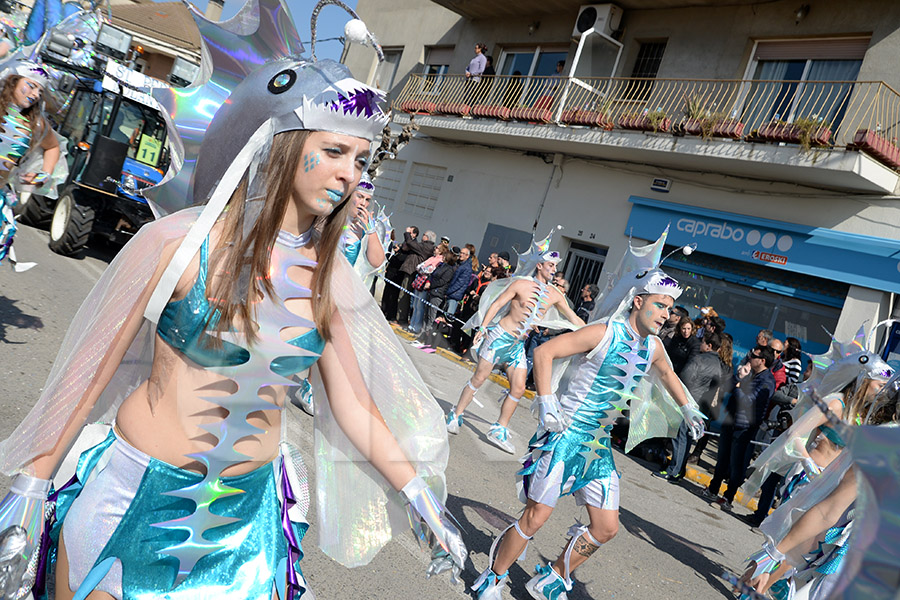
[{"x": 671, "y": 543}]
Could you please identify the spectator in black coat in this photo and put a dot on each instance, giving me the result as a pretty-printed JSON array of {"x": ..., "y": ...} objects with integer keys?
[
  {"x": 683, "y": 345},
  {"x": 588, "y": 299},
  {"x": 746, "y": 411},
  {"x": 436, "y": 287},
  {"x": 702, "y": 376},
  {"x": 415, "y": 252},
  {"x": 392, "y": 273}
]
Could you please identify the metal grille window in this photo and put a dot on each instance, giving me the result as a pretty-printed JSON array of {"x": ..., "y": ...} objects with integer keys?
[
  {"x": 424, "y": 189},
  {"x": 387, "y": 184},
  {"x": 648, "y": 59}
]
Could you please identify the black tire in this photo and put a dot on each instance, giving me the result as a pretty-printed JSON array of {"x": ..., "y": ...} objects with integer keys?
[
  {"x": 35, "y": 210},
  {"x": 70, "y": 226}
]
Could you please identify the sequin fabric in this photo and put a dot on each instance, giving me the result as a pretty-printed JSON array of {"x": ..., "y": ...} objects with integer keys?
[{"x": 600, "y": 389}]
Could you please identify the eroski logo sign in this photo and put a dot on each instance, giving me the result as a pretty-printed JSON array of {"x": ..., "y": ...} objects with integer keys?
[{"x": 720, "y": 230}]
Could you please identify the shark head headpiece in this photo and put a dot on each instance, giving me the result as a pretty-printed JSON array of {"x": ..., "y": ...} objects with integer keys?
[
  {"x": 365, "y": 185},
  {"x": 254, "y": 84},
  {"x": 843, "y": 364},
  {"x": 531, "y": 258},
  {"x": 33, "y": 71},
  {"x": 637, "y": 273}
]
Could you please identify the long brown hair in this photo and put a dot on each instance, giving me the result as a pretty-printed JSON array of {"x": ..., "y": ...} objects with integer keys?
[
  {"x": 475, "y": 265},
  {"x": 228, "y": 289},
  {"x": 36, "y": 121}
]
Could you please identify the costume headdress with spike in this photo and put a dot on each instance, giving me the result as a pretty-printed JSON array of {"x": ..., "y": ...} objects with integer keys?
[
  {"x": 637, "y": 273},
  {"x": 257, "y": 86},
  {"x": 531, "y": 258},
  {"x": 844, "y": 363}
]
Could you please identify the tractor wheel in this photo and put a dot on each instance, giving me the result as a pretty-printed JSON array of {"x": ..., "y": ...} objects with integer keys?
[{"x": 70, "y": 226}]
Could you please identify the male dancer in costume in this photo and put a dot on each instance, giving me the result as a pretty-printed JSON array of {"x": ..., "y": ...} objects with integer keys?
[
  {"x": 570, "y": 451},
  {"x": 524, "y": 304}
]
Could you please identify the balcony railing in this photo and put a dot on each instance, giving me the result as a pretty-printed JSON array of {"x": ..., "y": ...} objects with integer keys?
[{"x": 857, "y": 114}]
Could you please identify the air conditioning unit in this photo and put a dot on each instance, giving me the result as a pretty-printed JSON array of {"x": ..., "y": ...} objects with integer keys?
[{"x": 604, "y": 18}]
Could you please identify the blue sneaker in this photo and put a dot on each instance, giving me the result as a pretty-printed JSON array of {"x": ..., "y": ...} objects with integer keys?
[
  {"x": 499, "y": 436},
  {"x": 453, "y": 422},
  {"x": 489, "y": 586},
  {"x": 547, "y": 585}
]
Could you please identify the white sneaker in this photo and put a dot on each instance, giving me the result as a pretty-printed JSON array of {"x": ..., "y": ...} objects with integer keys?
[
  {"x": 489, "y": 586},
  {"x": 499, "y": 436},
  {"x": 547, "y": 585},
  {"x": 453, "y": 422}
]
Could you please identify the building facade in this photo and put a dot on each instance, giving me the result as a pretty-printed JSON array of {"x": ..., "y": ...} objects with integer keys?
[{"x": 764, "y": 132}]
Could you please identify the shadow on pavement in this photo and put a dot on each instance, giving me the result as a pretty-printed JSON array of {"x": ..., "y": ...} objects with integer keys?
[
  {"x": 12, "y": 316},
  {"x": 683, "y": 550}
]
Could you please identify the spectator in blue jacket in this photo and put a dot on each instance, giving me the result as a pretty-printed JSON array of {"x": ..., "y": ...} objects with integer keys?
[
  {"x": 462, "y": 277},
  {"x": 746, "y": 412}
]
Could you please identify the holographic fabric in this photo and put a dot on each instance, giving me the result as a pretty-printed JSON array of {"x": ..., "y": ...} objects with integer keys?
[
  {"x": 108, "y": 525},
  {"x": 501, "y": 347},
  {"x": 602, "y": 387},
  {"x": 349, "y": 248}
]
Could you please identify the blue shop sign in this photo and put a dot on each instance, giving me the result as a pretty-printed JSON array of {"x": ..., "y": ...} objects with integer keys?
[{"x": 862, "y": 260}]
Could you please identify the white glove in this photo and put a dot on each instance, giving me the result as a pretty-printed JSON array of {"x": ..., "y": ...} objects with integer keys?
[
  {"x": 449, "y": 552},
  {"x": 550, "y": 414},
  {"x": 694, "y": 418},
  {"x": 767, "y": 560},
  {"x": 21, "y": 525}
]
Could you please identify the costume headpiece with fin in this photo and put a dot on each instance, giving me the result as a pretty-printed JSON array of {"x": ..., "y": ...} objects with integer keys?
[
  {"x": 530, "y": 259},
  {"x": 257, "y": 87},
  {"x": 637, "y": 273},
  {"x": 843, "y": 364}
]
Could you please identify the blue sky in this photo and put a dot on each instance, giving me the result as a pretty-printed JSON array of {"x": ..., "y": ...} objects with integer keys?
[{"x": 331, "y": 22}]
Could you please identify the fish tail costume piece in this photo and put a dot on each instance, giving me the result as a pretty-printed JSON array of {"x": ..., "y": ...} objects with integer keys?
[
  {"x": 594, "y": 389},
  {"x": 170, "y": 532}
]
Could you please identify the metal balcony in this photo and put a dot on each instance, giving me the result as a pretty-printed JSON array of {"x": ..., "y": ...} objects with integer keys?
[{"x": 786, "y": 123}]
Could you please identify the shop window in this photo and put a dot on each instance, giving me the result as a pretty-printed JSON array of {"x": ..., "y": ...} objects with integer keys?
[
  {"x": 387, "y": 184},
  {"x": 423, "y": 191}
]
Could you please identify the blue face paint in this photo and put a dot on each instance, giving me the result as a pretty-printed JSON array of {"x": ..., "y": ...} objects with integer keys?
[{"x": 310, "y": 161}]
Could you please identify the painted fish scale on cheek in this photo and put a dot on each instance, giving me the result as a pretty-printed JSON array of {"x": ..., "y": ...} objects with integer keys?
[{"x": 310, "y": 161}]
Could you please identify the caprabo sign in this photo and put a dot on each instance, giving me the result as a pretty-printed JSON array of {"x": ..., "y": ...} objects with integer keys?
[{"x": 715, "y": 229}]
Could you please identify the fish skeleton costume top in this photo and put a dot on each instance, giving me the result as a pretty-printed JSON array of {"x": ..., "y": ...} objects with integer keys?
[{"x": 286, "y": 93}]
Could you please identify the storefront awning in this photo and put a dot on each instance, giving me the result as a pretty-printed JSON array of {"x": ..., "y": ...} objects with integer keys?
[{"x": 854, "y": 259}]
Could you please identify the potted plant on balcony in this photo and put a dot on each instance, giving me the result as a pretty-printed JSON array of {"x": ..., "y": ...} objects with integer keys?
[
  {"x": 812, "y": 131},
  {"x": 654, "y": 120},
  {"x": 700, "y": 121},
  {"x": 875, "y": 144},
  {"x": 594, "y": 116}
]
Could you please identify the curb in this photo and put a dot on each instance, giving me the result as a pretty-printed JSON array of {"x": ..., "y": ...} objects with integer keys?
[
  {"x": 495, "y": 377},
  {"x": 703, "y": 478}
]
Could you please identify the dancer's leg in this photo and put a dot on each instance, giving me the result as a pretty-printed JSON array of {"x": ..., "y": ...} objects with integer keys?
[
  {"x": 513, "y": 544},
  {"x": 516, "y": 378},
  {"x": 604, "y": 527},
  {"x": 468, "y": 392},
  {"x": 62, "y": 577}
]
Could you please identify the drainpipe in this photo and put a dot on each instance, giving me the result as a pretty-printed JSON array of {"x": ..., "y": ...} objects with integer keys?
[{"x": 557, "y": 162}]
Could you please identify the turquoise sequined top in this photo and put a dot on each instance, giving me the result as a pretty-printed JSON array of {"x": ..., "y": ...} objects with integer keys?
[
  {"x": 598, "y": 392},
  {"x": 184, "y": 324}
]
